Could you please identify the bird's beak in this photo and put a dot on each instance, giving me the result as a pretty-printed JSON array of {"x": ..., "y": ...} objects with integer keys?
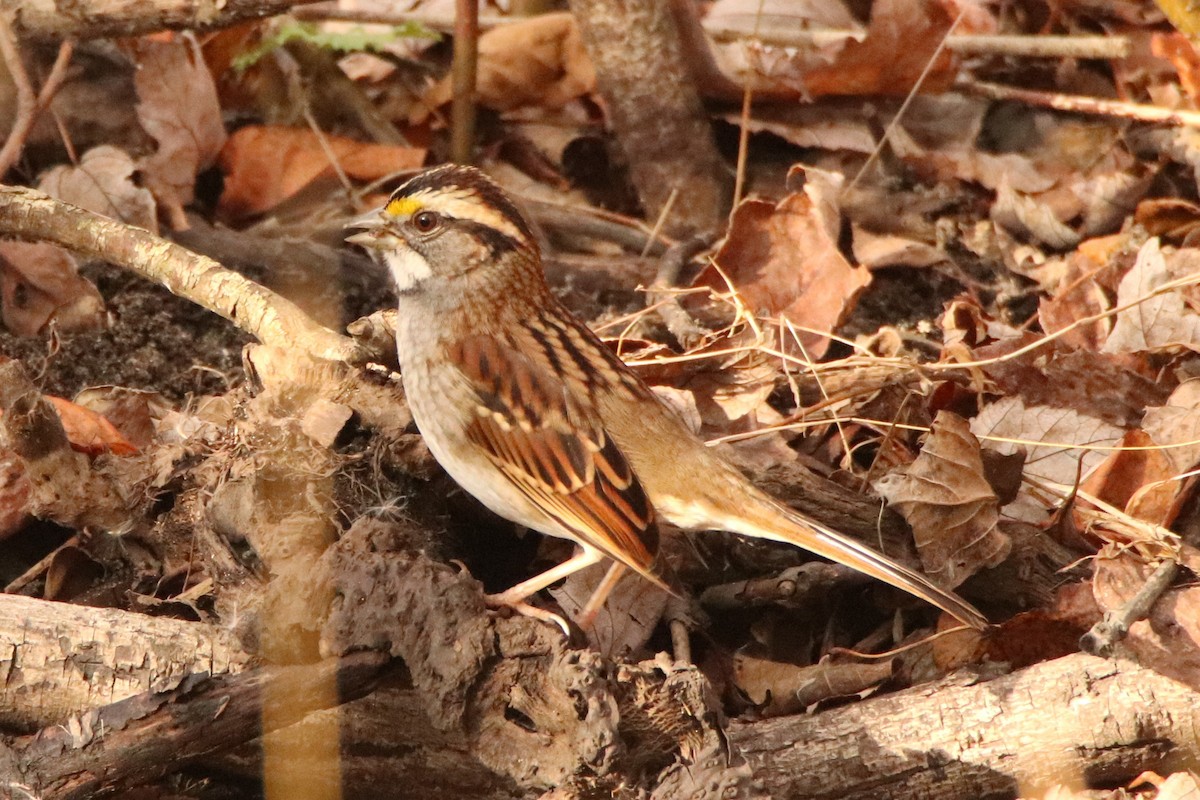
[{"x": 369, "y": 225}]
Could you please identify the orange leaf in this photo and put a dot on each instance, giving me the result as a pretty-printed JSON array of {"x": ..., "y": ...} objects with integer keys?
[
  {"x": 89, "y": 432},
  {"x": 266, "y": 164}
]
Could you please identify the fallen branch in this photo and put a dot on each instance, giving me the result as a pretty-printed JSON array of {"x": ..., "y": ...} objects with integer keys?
[
  {"x": 61, "y": 659},
  {"x": 99, "y": 19},
  {"x": 33, "y": 216},
  {"x": 152, "y": 735},
  {"x": 1078, "y": 720}
]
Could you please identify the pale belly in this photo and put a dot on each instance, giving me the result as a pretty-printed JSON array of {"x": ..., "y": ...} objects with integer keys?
[{"x": 464, "y": 462}]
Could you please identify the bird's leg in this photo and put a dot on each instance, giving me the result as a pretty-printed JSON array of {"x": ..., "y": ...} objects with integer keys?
[
  {"x": 590, "y": 609},
  {"x": 515, "y": 597}
]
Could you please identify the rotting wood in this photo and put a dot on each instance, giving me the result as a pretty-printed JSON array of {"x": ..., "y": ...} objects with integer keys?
[
  {"x": 1078, "y": 720},
  {"x": 59, "y": 660},
  {"x": 153, "y": 734},
  {"x": 515, "y": 707}
]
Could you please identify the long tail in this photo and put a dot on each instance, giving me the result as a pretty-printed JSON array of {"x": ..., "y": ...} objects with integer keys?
[{"x": 770, "y": 520}]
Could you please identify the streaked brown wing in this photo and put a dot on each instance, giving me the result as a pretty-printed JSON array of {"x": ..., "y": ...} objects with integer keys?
[{"x": 556, "y": 452}]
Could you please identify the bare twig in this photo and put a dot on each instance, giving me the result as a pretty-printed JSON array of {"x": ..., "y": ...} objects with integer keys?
[
  {"x": 466, "y": 56},
  {"x": 726, "y": 30},
  {"x": 1084, "y": 105},
  {"x": 679, "y": 321},
  {"x": 29, "y": 106},
  {"x": 1040, "y": 46},
  {"x": 1102, "y": 639},
  {"x": 794, "y": 587}
]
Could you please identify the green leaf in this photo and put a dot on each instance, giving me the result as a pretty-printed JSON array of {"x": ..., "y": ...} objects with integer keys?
[{"x": 351, "y": 41}]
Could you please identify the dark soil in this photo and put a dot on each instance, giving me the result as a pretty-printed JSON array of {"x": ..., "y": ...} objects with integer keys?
[{"x": 156, "y": 341}]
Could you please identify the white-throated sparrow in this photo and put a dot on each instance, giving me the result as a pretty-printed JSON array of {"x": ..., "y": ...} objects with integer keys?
[{"x": 534, "y": 416}]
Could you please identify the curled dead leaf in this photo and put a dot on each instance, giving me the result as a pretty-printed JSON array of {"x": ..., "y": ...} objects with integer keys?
[
  {"x": 782, "y": 688},
  {"x": 177, "y": 105},
  {"x": 946, "y": 499},
  {"x": 40, "y": 282},
  {"x": 103, "y": 182},
  {"x": 88, "y": 432},
  {"x": 539, "y": 61},
  {"x": 784, "y": 260}
]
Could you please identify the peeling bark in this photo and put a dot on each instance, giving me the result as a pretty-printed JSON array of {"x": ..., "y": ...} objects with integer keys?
[{"x": 97, "y": 19}]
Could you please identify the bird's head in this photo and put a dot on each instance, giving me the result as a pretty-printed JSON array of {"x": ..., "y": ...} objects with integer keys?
[{"x": 448, "y": 223}]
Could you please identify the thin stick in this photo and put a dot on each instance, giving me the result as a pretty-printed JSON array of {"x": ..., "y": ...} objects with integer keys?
[
  {"x": 28, "y": 107},
  {"x": 466, "y": 56},
  {"x": 26, "y": 100},
  {"x": 1097, "y": 47},
  {"x": 330, "y": 156},
  {"x": 1105, "y": 634},
  {"x": 1036, "y": 46},
  {"x": 1084, "y": 105}
]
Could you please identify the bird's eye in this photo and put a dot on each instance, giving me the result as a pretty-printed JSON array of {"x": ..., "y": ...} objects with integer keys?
[{"x": 426, "y": 221}]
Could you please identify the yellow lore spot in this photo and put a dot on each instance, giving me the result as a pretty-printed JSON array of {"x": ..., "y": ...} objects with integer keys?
[{"x": 403, "y": 206}]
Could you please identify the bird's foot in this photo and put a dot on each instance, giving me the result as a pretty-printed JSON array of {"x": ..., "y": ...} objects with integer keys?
[{"x": 518, "y": 604}]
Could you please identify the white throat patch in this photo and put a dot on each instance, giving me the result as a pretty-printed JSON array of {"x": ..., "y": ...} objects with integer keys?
[{"x": 408, "y": 267}]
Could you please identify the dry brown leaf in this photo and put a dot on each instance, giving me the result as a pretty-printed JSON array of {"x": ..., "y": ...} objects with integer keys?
[
  {"x": 131, "y": 411},
  {"x": 628, "y": 617},
  {"x": 810, "y": 126},
  {"x": 948, "y": 502},
  {"x": 103, "y": 183},
  {"x": 784, "y": 260},
  {"x": 939, "y": 139},
  {"x": 1177, "y": 422},
  {"x": 40, "y": 282},
  {"x": 782, "y": 688},
  {"x": 1031, "y": 218},
  {"x": 813, "y": 14},
  {"x": 539, "y": 61},
  {"x": 1029, "y": 637},
  {"x": 177, "y": 105},
  {"x": 1178, "y": 49},
  {"x": 1175, "y": 220},
  {"x": 1032, "y": 637},
  {"x": 15, "y": 489},
  {"x": 266, "y": 164},
  {"x": 1051, "y": 436},
  {"x": 1156, "y": 323},
  {"x": 1136, "y": 481},
  {"x": 1092, "y": 383},
  {"x": 901, "y": 45},
  {"x": 876, "y": 250},
  {"x": 88, "y": 432},
  {"x": 70, "y": 572},
  {"x": 1168, "y": 641},
  {"x": 1078, "y": 291},
  {"x": 1107, "y": 199}
]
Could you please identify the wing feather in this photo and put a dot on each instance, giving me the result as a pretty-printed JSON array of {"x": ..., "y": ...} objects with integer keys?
[{"x": 556, "y": 451}]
